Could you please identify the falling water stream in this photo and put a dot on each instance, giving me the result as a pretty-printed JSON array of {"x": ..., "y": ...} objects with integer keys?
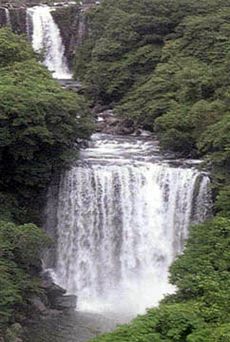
[
  {"x": 46, "y": 39},
  {"x": 123, "y": 214},
  {"x": 8, "y": 19}
]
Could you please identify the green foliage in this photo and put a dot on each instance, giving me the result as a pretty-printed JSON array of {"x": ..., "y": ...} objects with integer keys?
[
  {"x": 223, "y": 200},
  {"x": 202, "y": 272},
  {"x": 173, "y": 322},
  {"x": 176, "y": 322},
  {"x": 20, "y": 248},
  {"x": 39, "y": 125},
  {"x": 13, "y": 48},
  {"x": 215, "y": 334},
  {"x": 121, "y": 47},
  {"x": 165, "y": 65},
  {"x": 216, "y": 141}
]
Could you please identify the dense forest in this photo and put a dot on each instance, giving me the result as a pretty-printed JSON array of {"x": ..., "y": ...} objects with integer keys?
[
  {"x": 39, "y": 125},
  {"x": 165, "y": 65}
]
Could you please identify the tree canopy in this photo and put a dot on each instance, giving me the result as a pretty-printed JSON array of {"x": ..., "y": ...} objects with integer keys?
[
  {"x": 164, "y": 65},
  {"x": 39, "y": 125}
]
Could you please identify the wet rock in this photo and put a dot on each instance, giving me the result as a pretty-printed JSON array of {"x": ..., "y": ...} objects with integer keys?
[
  {"x": 55, "y": 290},
  {"x": 54, "y": 293},
  {"x": 38, "y": 306},
  {"x": 108, "y": 123},
  {"x": 142, "y": 133},
  {"x": 99, "y": 108},
  {"x": 57, "y": 298},
  {"x": 70, "y": 85},
  {"x": 68, "y": 327},
  {"x": 66, "y": 302},
  {"x": 112, "y": 121},
  {"x": 106, "y": 114},
  {"x": 82, "y": 143}
]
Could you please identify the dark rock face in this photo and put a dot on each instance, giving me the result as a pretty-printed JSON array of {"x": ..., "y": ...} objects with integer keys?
[
  {"x": 67, "y": 327},
  {"x": 38, "y": 306},
  {"x": 56, "y": 296},
  {"x": 51, "y": 301},
  {"x": 72, "y": 23},
  {"x": 49, "y": 256},
  {"x": 66, "y": 302},
  {"x": 3, "y": 19},
  {"x": 67, "y": 19},
  {"x": 18, "y": 20},
  {"x": 109, "y": 124}
]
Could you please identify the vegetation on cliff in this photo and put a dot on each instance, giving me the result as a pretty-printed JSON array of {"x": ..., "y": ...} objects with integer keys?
[
  {"x": 165, "y": 65},
  {"x": 39, "y": 125}
]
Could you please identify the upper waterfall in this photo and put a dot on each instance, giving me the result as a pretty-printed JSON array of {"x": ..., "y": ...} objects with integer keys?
[
  {"x": 123, "y": 215},
  {"x": 46, "y": 39},
  {"x": 8, "y": 20}
]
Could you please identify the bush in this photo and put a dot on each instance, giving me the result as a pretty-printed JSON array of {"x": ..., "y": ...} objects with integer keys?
[{"x": 20, "y": 251}]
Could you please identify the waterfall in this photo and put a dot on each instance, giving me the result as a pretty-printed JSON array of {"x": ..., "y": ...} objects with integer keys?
[
  {"x": 46, "y": 39},
  {"x": 123, "y": 215},
  {"x": 8, "y": 20}
]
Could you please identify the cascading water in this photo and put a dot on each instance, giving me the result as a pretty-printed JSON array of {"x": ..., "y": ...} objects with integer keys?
[
  {"x": 8, "y": 20},
  {"x": 123, "y": 215},
  {"x": 46, "y": 39}
]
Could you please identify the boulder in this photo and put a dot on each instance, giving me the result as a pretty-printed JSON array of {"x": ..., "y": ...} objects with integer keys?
[
  {"x": 56, "y": 295},
  {"x": 55, "y": 290},
  {"x": 66, "y": 302},
  {"x": 108, "y": 123},
  {"x": 38, "y": 306},
  {"x": 48, "y": 285}
]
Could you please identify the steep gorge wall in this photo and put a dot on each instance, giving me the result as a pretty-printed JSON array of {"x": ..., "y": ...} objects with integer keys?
[
  {"x": 72, "y": 22},
  {"x": 17, "y": 19},
  {"x": 3, "y": 19},
  {"x": 70, "y": 19}
]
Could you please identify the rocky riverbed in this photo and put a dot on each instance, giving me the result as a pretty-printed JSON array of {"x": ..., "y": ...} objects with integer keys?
[{"x": 67, "y": 327}]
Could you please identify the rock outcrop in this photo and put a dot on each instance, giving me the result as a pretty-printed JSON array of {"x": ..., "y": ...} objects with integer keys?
[
  {"x": 110, "y": 124},
  {"x": 3, "y": 18},
  {"x": 57, "y": 299}
]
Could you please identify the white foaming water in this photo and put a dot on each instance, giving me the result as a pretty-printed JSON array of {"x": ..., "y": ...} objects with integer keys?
[
  {"x": 123, "y": 215},
  {"x": 8, "y": 20},
  {"x": 46, "y": 39}
]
